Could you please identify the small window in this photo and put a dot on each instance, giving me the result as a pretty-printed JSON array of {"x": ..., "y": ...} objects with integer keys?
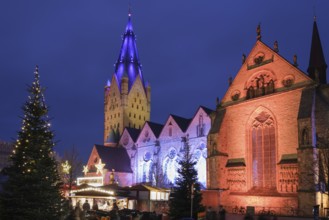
[
  {"x": 119, "y": 115},
  {"x": 137, "y": 107},
  {"x": 170, "y": 131},
  {"x": 129, "y": 114},
  {"x": 140, "y": 101},
  {"x": 140, "y": 117},
  {"x": 134, "y": 115}
]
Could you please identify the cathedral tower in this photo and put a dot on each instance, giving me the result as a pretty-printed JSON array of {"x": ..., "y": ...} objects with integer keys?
[{"x": 127, "y": 96}]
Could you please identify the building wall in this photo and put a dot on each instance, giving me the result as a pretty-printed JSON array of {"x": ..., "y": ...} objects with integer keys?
[
  {"x": 125, "y": 108},
  {"x": 156, "y": 159},
  {"x": 264, "y": 126}
]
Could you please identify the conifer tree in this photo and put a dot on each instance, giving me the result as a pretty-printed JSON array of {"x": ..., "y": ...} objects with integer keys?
[
  {"x": 187, "y": 187},
  {"x": 32, "y": 190}
]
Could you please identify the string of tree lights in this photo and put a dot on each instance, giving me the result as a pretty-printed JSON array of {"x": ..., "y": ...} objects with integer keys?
[{"x": 32, "y": 190}]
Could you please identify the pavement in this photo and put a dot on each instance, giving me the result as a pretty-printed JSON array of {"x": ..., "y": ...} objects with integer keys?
[{"x": 241, "y": 217}]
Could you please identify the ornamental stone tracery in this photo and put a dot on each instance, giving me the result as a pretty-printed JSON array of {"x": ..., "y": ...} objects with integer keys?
[
  {"x": 263, "y": 152},
  {"x": 288, "y": 178},
  {"x": 260, "y": 84}
]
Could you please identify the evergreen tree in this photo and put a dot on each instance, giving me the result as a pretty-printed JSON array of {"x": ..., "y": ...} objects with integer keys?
[
  {"x": 32, "y": 190},
  {"x": 187, "y": 187}
]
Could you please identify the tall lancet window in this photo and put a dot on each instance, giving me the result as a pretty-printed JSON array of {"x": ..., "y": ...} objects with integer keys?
[{"x": 263, "y": 140}]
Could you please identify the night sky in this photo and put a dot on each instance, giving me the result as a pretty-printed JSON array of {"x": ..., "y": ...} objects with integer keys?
[{"x": 188, "y": 49}]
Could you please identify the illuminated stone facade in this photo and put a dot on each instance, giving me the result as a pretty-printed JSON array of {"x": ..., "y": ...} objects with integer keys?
[
  {"x": 156, "y": 149},
  {"x": 136, "y": 150},
  {"x": 127, "y": 97},
  {"x": 265, "y": 136}
]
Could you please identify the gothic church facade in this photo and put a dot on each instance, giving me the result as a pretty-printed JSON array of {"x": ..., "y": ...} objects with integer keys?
[{"x": 265, "y": 142}]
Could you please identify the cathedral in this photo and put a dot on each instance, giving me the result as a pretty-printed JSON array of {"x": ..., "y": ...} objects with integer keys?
[
  {"x": 269, "y": 135},
  {"x": 136, "y": 150},
  {"x": 263, "y": 146}
]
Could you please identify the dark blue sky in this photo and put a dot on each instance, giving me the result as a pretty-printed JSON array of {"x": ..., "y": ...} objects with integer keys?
[{"x": 188, "y": 49}]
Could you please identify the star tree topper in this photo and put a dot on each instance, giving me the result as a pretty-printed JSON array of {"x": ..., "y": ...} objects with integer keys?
[{"x": 100, "y": 166}]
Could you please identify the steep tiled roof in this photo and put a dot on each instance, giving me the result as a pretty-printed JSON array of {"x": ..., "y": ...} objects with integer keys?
[
  {"x": 133, "y": 133},
  {"x": 306, "y": 103},
  {"x": 218, "y": 121},
  {"x": 155, "y": 127},
  {"x": 183, "y": 123},
  {"x": 114, "y": 158},
  {"x": 317, "y": 64},
  {"x": 207, "y": 110},
  {"x": 128, "y": 62}
]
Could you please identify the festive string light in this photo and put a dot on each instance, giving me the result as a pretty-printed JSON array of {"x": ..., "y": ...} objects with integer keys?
[{"x": 110, "y": 192}]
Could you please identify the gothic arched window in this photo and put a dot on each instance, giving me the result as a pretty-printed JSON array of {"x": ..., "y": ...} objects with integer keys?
[{"x": 263, "y": 154}]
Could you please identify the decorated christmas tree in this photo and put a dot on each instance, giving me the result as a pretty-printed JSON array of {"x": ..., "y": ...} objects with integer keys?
[
  {"x": 186, "y": 196},
  {"x": 32, "y": 190}
]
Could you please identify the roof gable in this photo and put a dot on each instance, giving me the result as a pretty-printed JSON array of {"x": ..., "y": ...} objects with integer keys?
[
  {"x": 137, "y": 86},
  {"x": 200, "y": 123},
  {"x": 263, "y": 62},
  {"x": 146, "y": 135},
  {"x": 175, "y": 126},
  {"x": 114, "y": 158},
  {"x": 128, "y": 137},
  {"x": 93, "y": 158}
]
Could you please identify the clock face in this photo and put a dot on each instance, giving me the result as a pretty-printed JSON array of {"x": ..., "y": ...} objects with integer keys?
[{"x": 125, "y": 140}]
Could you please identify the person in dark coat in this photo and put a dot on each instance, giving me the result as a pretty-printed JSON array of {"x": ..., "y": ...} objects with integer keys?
[
  {"x": 86, "y": 206},
  {"x": 222, "y": 213}
]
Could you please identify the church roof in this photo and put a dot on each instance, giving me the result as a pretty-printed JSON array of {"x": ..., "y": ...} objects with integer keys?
[
  {"x": 183, "y": 123},
  {"x": 133, "y": 132},
  {"x": 155, "y": 127},
  {"x": 207, "y": 110},
  {"x": 317, "y": 60},
  {"x": 218, "y": 121},
  {"x": 128, "y": 62},
  {"x": 114, "y": 158},
  {"x": 306, "y": 103}
]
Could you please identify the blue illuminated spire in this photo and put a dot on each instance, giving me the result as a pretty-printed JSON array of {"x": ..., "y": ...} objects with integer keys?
[{"x": 128, "y": 62}]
